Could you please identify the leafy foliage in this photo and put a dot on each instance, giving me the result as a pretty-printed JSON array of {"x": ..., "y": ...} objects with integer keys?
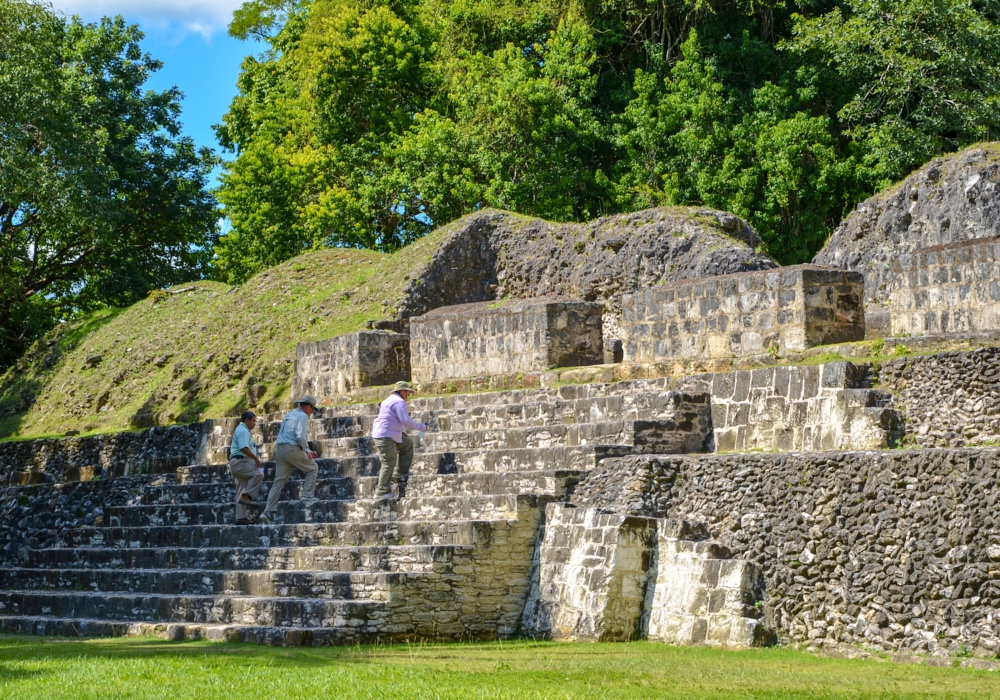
[
  {"x": 368, "y": 122},
  {"x": 909, "y": 80},
  {"x": 100, "y": 200}
]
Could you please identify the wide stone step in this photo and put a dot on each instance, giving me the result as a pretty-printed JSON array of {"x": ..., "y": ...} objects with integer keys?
[
  {"x": 593, "y": 403},
  {"x": 323, "y": 426},
  {"x": 652, "y": 433},
  {"x": 533, "y": 413},
  {"x": 344, "y": 467},
  {"x": 332, "y": 511},
  {"x": 601, "y": 409},
  {"x": 551, "y": 482},
  {"x": 287, "y": 636},
  {"x": 281, "y": 583},
  {"x": 297, "y": 535},
  {"x": 413, "y": 558},
  {"x": 566, "y": 392},
  {"x": 644, "y": 392},
  {"x": 577, "y": 458},
  {"x": 627, "y": 406},
  {"x": 223, "y": 490},
  {"x": 205, "y": 609}
]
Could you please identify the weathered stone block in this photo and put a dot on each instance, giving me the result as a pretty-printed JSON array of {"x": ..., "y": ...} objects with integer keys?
[
  {"x": 332, "y": 368},
  {"x": 792, "y": 309},
  {"x": 505, "y": 338}
]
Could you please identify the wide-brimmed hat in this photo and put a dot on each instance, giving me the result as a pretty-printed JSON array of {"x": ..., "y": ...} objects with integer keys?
[
  {"x": 307, "y": 399},
  {"x": 404, "y": 386}
]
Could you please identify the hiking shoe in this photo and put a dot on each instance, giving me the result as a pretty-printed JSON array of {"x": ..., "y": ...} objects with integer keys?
[
  {"x": 246, "y": 500},
  {"x": 384, "y": 496},
  {"x": 266, "y": 517},
  {"x": 243, "y": 521},
  {"x": 309, "y": 501}
]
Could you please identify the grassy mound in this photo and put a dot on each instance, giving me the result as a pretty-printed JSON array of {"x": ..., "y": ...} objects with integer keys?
[
  {"x": 209, "y": 350},
  {"x": 196, "y": 350}
]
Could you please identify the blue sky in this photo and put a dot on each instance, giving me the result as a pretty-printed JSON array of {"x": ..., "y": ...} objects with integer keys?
[{"x": 190, "y": 38}]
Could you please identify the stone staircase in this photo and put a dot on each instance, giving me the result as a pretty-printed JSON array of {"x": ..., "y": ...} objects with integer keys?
[{"x": 451, "y": 558}]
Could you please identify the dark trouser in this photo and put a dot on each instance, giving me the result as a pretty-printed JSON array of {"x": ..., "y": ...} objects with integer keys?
[
  {"x": 392, "y": 454},
  {"x": 248, "y": 479}
]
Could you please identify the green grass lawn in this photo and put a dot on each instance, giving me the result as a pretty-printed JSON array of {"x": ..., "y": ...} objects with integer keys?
[{"x": 150, "y": 668}]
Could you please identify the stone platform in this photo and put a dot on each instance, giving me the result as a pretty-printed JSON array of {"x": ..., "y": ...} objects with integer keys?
[{"x": 451, "y": 558}]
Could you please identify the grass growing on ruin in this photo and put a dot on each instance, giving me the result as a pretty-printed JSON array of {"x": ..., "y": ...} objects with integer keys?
[
  {"x": 192, "y": 351},
  {"x": 149, "y": 668}
]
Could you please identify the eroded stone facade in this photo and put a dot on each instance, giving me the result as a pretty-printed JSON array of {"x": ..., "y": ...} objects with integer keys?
[
  {"x": 71, "y": 459},
  {"x": 950, "y": 399},
  {"x": 896, "y": 549}
]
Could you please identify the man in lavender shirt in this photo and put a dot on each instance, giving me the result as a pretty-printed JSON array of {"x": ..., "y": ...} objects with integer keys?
[{"x": 394, "y": 445}]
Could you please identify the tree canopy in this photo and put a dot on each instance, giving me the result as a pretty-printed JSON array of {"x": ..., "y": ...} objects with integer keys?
[
  {"x": 101, "y": 200},
  {"x": 368, "y": 122}
]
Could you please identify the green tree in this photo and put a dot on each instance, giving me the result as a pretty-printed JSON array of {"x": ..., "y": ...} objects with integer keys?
[
  {"x": 368, "y": 122},
  {"x": 312, "y": 127},
  {"x": 688, "y": 140},
  {"x": 100, "y": 200},
  {"x": 521, "y": 133},
  {"x": 905, "y": 81}
]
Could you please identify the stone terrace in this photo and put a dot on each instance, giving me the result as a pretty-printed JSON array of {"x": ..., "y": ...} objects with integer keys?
[
  {"x": 583, "y": 511},
  {"x": 451, "y": 558}
]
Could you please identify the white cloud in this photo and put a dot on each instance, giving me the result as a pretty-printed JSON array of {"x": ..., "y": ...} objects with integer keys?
[{"x": 201, "y": 16}]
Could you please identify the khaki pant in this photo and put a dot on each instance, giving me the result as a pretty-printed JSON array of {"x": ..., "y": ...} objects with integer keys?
[
  {"x": 288, "y": 458},
  {"x": 392, "y": 454},
  {"x": 248, "y": 480}
]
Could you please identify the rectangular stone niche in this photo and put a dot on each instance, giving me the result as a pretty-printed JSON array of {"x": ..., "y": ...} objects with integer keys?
[
  {"x": 338, "y": 366},
  {"x": 947, "y": 289},
  {"x": 788, "y": 309},
  {"x": 497, "y": 338}
]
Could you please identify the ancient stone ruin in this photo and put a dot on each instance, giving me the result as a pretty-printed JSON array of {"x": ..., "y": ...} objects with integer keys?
[{"x": 733, "y": 480}]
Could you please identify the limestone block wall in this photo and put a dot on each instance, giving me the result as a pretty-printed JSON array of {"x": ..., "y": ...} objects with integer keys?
[
  {"x": 950, "y": 399},
  {"x": 334, "y": 367},
  {"x": 897, "y": 549},
  {"x": 818, "y": 407},
  {"x": 947, "y": 289},
  {"x": 507, "y": 337},
  {"x": 592, "y": 570},
  {"x": 482, "y": 597},
  {"x": 699, "y": 595},
  {"x": 92, "y": 457},
  {"x": 788, "y": 309},
  {"x": 603, "y": 576}
]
